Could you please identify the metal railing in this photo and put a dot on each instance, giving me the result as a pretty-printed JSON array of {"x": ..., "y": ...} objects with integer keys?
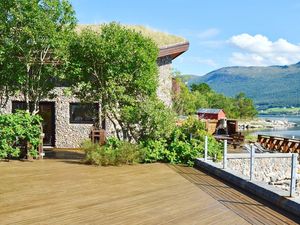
[{"x": 252, "y": 156}]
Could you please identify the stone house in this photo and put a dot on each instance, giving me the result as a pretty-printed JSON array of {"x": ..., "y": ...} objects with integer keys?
[{"x": 67, "y": 122}]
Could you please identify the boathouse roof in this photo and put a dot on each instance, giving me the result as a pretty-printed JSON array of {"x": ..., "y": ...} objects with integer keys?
[{"x": 210, "y": 111}]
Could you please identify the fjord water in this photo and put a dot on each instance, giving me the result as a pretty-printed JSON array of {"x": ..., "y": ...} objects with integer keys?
[{"x": 284, "y": 132}]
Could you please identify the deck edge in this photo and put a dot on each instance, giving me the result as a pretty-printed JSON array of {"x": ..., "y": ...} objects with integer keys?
[{"x": 264, "y": 191}]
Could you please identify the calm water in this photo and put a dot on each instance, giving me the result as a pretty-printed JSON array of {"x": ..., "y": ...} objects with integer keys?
[{"x": 287, "y": 132}]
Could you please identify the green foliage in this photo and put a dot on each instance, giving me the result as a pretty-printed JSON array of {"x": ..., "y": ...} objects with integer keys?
[
  {"x": 251, "y": 137},
  {"x": 156, "y": 150},
  {"x": 19, "y": 130},
  {"x": 118, "y": 67},
  {"x": 187, "y": 102},
  {"x": 185, "y": 144},
  {"x": 34, "y": 39},
  {"x": 245, "y": 106},
  {"x": 149, "y": 120},
  {"x": 113, "y": 153},
  {"x": 182, "y": 146},
  {"x": 202, "y": 88},
  {"x": 192, "y": 126}
]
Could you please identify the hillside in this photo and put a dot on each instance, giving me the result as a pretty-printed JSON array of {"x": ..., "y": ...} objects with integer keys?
[{"x": 267, "y": 86}]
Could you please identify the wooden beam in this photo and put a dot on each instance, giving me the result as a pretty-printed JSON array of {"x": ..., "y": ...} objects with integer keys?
[{"x": 173, "y": 50}]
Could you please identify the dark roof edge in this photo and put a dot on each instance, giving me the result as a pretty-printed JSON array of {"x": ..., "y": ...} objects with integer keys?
[
  {"x": 209, "y": 110},
  {"x": 173, "y": 50}
]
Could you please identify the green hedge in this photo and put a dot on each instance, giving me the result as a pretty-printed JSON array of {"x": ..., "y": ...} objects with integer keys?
[{"x": 19, "y": 131}]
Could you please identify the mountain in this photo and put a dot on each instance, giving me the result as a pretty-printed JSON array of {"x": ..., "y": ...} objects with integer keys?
[{"x": 272, "y": 86}]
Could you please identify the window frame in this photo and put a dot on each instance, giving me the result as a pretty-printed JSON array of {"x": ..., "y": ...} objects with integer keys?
[{"x": 96, "y": 107}]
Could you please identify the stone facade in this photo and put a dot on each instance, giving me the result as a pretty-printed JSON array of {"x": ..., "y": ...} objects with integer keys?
[
  {"x": 164, "y": 91},
  {"x": 67, "y": 135},
  {"x": 71, "y": 135}
]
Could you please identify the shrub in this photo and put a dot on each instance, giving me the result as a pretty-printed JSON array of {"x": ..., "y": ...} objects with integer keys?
[
  {"x": 148, "y": 120},
  {"x": 156, "y": 150},
  {"x": 114, "y": 152},
  {"x": 215, "y": 148},
  {"x": 128, "y": 153},
  {"x": 19, "y": 130},
  {"x": 182, "y": 146},
  {"x": 185, "y": 144}
]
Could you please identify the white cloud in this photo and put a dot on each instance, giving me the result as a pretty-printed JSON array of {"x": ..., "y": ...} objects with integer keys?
[
  {"x": 209, "y": 33},
  {"x": 258, "y": 50}
]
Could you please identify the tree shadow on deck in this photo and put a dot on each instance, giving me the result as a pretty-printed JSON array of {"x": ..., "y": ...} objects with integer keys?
[
  {"x": 64, "y": 154},
  {"x": 243, "y": 203}
]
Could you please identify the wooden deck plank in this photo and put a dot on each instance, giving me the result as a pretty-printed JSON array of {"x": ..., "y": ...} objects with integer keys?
[
  {"x": 58, "y": 192},
  {"x": 252, "y": 209}
]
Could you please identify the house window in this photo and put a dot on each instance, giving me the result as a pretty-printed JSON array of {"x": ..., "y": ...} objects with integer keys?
[
  {"x": 16, "y": 105},
  {"x": 84, "y": 113}
]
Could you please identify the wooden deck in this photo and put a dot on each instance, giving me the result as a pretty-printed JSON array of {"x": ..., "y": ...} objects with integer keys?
[
  {"x": 246, "y": 205},
  {"x": 67, "y": 192}
]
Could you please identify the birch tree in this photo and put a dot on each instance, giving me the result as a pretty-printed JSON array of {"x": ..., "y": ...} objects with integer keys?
[
  {"x": 34, "y": 37},
  {"x": 116, "y": 66}
]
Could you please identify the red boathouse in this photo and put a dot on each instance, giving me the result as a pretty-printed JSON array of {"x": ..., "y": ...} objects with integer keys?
[{"x": 211, "y": 114}]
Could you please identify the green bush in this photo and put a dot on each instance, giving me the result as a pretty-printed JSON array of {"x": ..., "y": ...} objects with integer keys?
[
  {"x": 156, "y": 150},
  {"x": 19, "y": 130},
  {"x": 185, "y": 144},
  {"x": 148, "y": 120},
  {"x": 182, "y": 146},
  {"x": 114, "y": 152}
]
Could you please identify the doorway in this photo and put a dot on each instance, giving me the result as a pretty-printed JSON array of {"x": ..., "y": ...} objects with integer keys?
[{"x": 47, "y": 112}]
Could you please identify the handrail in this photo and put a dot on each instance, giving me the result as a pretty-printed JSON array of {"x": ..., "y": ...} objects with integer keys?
[
  {"x": 258, "y": 155},
  {"x": 252, "y": 156}
]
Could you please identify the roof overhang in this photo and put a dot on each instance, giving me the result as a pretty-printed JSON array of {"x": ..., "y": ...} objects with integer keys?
[{"x": 173, "y": 50}]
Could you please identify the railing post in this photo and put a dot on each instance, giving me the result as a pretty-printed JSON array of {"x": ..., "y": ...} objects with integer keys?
[
  {"x": 294, "y": 168},
  {"x": 225, "y": 155},
  {"x": 252, "y": 153},
  {"x": 205, "y": 148}
]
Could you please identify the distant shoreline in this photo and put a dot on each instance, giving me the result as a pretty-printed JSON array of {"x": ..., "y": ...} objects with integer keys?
[
  {"x": 281, "y": 111},
  {"x": 260, "y": 123}
]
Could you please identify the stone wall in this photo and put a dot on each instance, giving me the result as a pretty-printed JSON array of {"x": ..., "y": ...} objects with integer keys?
[
  {"x": 164, "y": 91},
  {"x": 8, "y": 107},
  {"x": 265, "y": 169},
  {"x": 274, "y": 171},
  {"x": 67, "y": 135}
]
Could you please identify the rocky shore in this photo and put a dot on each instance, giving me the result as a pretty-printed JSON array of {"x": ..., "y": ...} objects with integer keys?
[{"x": 265, "y": 124}]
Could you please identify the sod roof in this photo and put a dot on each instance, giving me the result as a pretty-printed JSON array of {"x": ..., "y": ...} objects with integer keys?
[{"x": 162, "y": 39}]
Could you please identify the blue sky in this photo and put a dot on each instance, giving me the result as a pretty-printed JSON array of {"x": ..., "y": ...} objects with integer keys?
[{"x": 221, "y": 32}]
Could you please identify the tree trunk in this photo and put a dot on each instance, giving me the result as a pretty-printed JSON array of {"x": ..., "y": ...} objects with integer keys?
[
  {"x": 115, "y": 126},
  {"x": 26, "y": 90},
  {"x": 36, "y": 106}
]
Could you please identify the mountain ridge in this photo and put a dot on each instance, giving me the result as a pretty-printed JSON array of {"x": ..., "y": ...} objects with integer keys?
[{"x": 271, "y": 86}]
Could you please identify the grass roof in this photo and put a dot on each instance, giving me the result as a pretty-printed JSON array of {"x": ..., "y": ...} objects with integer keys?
[{"x": 162, "y": 39}]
